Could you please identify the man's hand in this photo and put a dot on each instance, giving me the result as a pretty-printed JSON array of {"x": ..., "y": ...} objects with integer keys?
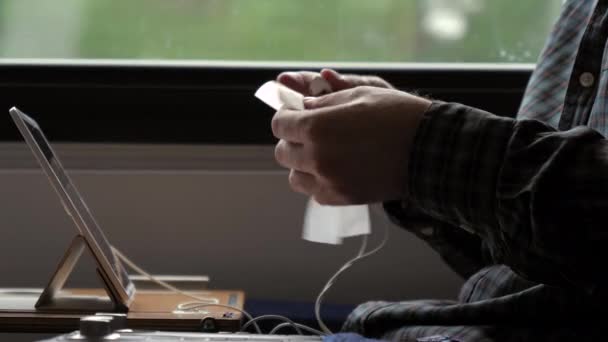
[
  {"x": 300, "y": 81},
  {"x": 351, "y": 146}
]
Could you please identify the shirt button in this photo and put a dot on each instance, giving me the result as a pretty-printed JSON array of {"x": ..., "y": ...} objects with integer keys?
[{"x": 586, "y": 79}]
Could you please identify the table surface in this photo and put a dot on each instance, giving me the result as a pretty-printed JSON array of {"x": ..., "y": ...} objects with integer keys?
[{"x": 150, "y": 309}]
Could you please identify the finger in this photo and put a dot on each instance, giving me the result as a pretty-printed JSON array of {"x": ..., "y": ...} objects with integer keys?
[
  {"x": 291, "y": 156},
  {"x": 309, "y": 125},
  {"x": 341, "y": 81},
  {"x": 372, "y": 81},
  {"x": 288, "y": 125},
  {"x": 298, "y": 81},
  {"x": 334, "y": 99},
  {"x": 324, "y": 197},
  {"x": 336, "y": 80},
  {"x": 302, "y": 182}
]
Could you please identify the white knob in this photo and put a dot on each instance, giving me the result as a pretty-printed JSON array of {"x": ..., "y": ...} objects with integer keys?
[{"x": 95, "y": 326}]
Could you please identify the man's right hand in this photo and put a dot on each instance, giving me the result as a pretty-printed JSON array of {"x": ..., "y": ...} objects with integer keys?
[{"x": 300, "y": 81}]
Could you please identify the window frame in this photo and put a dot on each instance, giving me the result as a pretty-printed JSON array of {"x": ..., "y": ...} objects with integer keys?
[{"x": 151, "y": 102}]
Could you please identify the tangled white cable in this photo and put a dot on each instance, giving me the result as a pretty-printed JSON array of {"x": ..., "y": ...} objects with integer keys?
[{"x": 199, "y": 302}]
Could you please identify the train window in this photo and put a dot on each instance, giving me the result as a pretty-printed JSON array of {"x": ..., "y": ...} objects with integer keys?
[{"x": 379, "y": 31}]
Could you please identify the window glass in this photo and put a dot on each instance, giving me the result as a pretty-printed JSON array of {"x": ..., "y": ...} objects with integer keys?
[{"x": 278, "y": 30}]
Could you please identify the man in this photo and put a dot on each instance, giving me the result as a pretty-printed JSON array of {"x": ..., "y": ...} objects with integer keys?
[{"x": 520, "y": 206}]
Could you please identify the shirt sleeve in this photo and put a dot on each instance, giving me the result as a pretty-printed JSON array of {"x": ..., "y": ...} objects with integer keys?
[
  {"x": 462, "y": 251},
  {"x": 536, "y": 196}
]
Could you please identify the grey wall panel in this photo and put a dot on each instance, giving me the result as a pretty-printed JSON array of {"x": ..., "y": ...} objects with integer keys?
[{"x": 242, "y": 228}]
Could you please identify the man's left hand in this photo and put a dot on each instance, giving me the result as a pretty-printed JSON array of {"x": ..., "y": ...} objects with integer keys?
[{"x": 351, "y": 146}]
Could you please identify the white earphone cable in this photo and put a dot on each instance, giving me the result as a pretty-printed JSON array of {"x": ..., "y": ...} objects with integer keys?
[
  {"x": 360, "y": 255},
  {"x": 200, "y": 302}
]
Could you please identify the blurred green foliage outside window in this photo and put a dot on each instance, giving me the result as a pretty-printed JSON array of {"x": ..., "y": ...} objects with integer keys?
[{"x": 371, "y": 31}]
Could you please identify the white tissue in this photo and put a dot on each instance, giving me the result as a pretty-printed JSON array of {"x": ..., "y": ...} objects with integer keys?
[
  {"x": 330, "y": 224},
  {"x": 319, "y": 86},
  {"x": 277, "y": 95},
  {"x": 324, "y": 224}
]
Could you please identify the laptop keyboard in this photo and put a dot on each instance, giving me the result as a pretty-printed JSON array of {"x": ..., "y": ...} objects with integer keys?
[{"x": 157, "y": 336}]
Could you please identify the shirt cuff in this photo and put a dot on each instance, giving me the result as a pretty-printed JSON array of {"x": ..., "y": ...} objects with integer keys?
[{"x": 454, "y": 164}]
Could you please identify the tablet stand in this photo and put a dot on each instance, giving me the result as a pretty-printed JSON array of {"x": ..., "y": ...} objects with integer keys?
[{"x": 54, "y": 299}]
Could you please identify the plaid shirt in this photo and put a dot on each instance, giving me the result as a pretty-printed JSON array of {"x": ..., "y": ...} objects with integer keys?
[{"x": 520, "y": 206}]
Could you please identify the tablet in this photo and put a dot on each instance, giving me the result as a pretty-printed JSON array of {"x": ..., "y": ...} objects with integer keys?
[{"x": 75, "y": 207}]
